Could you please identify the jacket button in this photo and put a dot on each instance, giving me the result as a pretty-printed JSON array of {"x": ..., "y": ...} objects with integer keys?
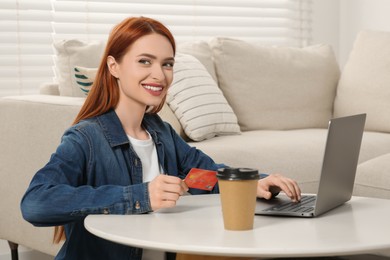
[{"x": 137, "y": 205}]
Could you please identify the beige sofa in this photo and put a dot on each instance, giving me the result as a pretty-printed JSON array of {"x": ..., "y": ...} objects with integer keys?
[{"x": 273, "y": 106}]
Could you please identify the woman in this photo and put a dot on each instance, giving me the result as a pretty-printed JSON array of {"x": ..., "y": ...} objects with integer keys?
[{"x": 112, "y": 159}]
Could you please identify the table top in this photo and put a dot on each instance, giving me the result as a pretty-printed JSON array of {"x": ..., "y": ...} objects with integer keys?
[{"x": 195, "y": 226}]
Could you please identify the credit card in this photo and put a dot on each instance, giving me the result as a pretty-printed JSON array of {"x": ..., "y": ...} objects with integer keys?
[{"x": 201, "y": 179}]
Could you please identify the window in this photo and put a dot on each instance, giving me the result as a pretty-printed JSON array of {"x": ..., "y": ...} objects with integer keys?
[{"x": 28, "y": 28}]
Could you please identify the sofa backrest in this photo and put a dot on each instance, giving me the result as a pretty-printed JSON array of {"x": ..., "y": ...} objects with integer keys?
[
  {"x": 364, "y": 85},
  {"x": 266, "y": 87},
  {"x": 277, "y": 88},
  {"x": 280, "y": 88}
]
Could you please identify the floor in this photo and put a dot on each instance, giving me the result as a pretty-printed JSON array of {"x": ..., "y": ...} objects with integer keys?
[{"x": 24, "y": 253}]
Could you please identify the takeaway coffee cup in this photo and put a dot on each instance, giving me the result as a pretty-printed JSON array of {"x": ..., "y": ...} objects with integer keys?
[{"x": 237, "y": 188}]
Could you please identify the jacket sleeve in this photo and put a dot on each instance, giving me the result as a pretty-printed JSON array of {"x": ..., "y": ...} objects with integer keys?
[{"x": 58, "y": 193}]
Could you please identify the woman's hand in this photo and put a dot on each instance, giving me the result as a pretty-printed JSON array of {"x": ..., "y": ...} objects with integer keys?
[
  {"x": 275, "y": 183},
  {"x": 165, "y": 190}
]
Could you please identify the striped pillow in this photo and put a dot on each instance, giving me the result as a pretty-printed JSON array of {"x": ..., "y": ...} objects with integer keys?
[{"x": 198, "y": 103}]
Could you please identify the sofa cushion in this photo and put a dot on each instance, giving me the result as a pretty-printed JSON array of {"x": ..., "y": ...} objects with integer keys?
[
  {"x": 84, "y": 78},
  {"x": 298, "y": 154},
  {"x": 202, "y": 51},
  {"x": 72, "y": 53},
  {"x": 372, "y": 177},
  {"x": 276, "y": 87},
  {"x": 365, "y": 80},
  {"x": 197, "y": 101},
  {"x": 272, "y": 151}
]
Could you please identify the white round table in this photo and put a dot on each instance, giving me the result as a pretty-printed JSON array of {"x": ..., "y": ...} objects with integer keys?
[{"x": 195, "y": 226}]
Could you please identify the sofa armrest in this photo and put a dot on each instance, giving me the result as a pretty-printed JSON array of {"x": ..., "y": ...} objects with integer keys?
[
  {"x": 49, "y": 88},
  {"x": 30, "y": 130},
  {"x": 52, "y": 89}
]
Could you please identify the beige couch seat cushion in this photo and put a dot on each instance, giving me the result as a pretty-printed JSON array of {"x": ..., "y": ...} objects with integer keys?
[
  {"x": 294, "y": 153},
  {"x": 374, "y": 144},
  {"x": 364, "y": 85},
  {"x": 276, "y": 87},
  {"x": 373, "y": 177}
]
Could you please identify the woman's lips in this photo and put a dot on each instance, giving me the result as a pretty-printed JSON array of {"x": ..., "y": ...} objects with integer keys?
[{"x": 153, "y": 89}]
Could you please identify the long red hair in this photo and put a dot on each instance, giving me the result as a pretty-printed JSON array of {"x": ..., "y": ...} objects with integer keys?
[{"x": 104, "y": 93}]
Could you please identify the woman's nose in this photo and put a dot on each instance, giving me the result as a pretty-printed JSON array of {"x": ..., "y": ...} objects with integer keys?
[{"x": 158, "y": 72}]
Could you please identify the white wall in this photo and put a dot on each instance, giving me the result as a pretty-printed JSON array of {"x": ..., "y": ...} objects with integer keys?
[
  {"x": 357, "y": 15},
  {"x": 337, "y": 22},
  {"x": 326, "y": 23}
]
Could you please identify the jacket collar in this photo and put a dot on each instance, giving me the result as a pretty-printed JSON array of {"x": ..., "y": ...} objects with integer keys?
[
  {"x": 112, "y": 128},
  {"x": 114, "y": 132}
]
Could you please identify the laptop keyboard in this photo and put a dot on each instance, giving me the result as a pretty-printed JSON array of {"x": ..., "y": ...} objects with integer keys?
[{"x": 305, "y": 205}]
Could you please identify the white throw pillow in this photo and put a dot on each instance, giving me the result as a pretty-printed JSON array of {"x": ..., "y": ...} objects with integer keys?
[
  {"x": 277, "y": 87},
  {"x": 197, "y": 101},
  {"x": 72, "y": 53},
  {"x": 364, "y": 85}
]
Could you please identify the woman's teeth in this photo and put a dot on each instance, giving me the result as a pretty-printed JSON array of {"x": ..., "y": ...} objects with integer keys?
[{"x": 153, "y": 88}]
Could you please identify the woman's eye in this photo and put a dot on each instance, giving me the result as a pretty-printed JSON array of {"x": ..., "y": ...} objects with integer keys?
[
  {"x": 145, "y": 62},
  {"x": 168, "y": 65}
]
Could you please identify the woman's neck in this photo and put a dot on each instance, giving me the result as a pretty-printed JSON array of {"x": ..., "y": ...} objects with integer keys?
[{"x": 131, "y": 117}]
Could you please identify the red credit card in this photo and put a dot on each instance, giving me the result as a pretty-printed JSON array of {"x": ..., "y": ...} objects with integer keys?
[{"x": 201, "y": 179}]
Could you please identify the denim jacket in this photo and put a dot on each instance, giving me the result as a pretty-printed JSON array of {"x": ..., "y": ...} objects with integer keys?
[{"x": 96, "y": 171}]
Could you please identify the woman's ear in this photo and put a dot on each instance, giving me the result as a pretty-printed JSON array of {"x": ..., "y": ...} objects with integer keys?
[{"x": 112, "y": 66}]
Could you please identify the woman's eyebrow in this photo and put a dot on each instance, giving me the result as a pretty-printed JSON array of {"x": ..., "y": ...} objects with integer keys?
[
  {"x": 170, "y": 59},
  {"x": 154, "y": 57}
]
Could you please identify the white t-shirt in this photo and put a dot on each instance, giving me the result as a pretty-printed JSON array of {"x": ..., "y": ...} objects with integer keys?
[{"x": 147, "y": 153}]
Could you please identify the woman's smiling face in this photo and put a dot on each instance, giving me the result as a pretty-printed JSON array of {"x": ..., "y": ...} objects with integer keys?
[{"x": 145, "y": 71}]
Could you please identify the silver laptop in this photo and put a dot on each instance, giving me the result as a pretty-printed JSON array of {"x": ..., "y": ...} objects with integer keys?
[{"x": 337, "y": 174}]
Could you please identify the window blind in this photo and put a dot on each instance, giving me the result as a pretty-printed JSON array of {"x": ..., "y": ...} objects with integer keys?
[
  {"x": 25, "y": 45},
  {"x": 29, "y": 27}
]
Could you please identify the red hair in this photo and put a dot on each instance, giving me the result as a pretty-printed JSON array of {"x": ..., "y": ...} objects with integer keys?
[{"x": 104, "y": 93}]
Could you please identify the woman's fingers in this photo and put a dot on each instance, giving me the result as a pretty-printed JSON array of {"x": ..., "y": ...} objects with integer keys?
[
  {"x": 290, "y": 187},
  {"x": 165, "y": 190},
  {"x": 277, "y": 182}
]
